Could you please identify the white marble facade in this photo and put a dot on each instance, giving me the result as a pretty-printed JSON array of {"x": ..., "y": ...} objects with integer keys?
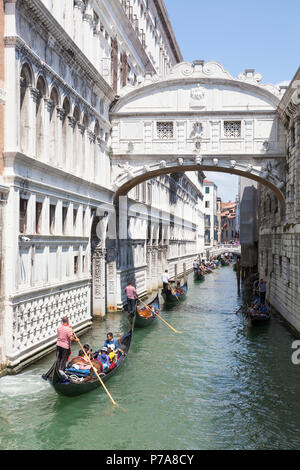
[{"x": 65, "y": 63}]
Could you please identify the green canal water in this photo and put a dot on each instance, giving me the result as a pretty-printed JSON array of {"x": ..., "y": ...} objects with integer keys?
[{"x": 222, "y": 384}]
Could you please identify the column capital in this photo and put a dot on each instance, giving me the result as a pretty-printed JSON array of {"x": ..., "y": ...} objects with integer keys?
[
  {"x": 72, "y": 121},
  {"x": 60, "y": 113},
  {"x": 34, "y": 93}
]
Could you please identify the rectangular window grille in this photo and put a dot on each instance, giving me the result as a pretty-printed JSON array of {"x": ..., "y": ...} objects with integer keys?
[
  {"x": 232, "y": 129},
  {"x": 23, "y": 215},
  {"x": 165, "y": 130},
  {"x": 38, "y": 217}
]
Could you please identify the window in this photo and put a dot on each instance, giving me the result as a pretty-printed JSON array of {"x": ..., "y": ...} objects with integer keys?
[
  {"x": 23, "y": 215},
  {"x": 165, "y": 130},
  {"x": 83, "y": 263},
  {"x": 288, "y": 270},
  {"x": 76, "y": 264},
  {"x": 280, "y": 265},
  {"x": 207, "y": 189},
  {"x": 64, "y": 218},
  {"x": 232, "y": 129},
  {"x": 207, "y": 204},
  {"x": 52, "y": 218},
  {"x": 149, "y": 193},
  {"x": 75, "y": 211},
  {"x": 38, "y": 217}
]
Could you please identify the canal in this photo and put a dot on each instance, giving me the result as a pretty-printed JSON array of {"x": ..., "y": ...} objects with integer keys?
[{"x": 221, "y": 384}]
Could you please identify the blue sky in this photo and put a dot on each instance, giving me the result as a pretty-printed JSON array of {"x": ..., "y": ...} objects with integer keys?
[{"x": 259, "y": 34}]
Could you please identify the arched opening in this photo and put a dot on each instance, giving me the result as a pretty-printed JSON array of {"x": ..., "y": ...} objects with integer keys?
[
  {"x": 76, "y": 142},
  {"x": 54, "y": 98},
  {"x": 85, "y": 153},
  {"x": 65, "y": 137},
  {"x": 25, "y": 122},
  {"x": 96, "y": 167},
  {"x": 40, "y": 124}
]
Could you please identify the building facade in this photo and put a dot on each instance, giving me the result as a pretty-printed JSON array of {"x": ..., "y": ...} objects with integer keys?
[
  {"x": 248, "y": 207},
  {"x": 210, "y": 213},
  {"x": 279, "y": 227},
  {"x": 228, "y": 221},
  {"x": 63, "y": 65}
]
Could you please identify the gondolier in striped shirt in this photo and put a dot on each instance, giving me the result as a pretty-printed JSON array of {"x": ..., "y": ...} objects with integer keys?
[
  {"x": 132, "y": 297},
  {"x": 63, "y": 344}
]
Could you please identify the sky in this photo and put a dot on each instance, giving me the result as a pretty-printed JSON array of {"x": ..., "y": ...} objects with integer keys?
[{"x": 257, "y": 34}]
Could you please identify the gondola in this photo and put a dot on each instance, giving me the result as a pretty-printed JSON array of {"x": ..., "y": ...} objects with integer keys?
[
  {"x": 172, "y": 296},
  {"x": 144, "y": 317},
  {"x": 259, "y": 318},
  {"x": 224, "y": 263},
  {"x": 199, "y": 276},
  {"x": 63, "y": 384}
]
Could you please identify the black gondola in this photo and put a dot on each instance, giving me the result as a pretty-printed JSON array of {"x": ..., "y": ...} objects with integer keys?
[
  {"x": 63, "y": 384},
  {"x": 257, "y": 318},
  {"x": 172, "y": 296},
  {"x": 144, "y": 317},
  {"x": 199, "y": 276}
]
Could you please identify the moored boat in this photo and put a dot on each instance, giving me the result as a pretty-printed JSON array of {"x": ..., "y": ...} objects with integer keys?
[
  {"x": 199, "y": 276},
  {"x": 175, "y": 295},
  {"x": 257, "y": 317},
  {"x": 65, "y": 385},
  {"x": 144, "y": 316}
]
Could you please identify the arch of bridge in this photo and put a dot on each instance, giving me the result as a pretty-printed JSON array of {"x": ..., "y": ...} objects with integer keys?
[{"x": 196, "y": 100}]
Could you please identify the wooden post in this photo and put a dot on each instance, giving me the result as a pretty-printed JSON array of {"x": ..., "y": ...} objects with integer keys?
[
  {"x": 184, "y": 273},
  {"x": 238, "y": 274}
]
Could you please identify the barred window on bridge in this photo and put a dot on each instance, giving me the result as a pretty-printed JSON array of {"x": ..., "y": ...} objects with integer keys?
[
  {"x": 165, "y": 130},
  {"x": 232, "y": 129}
]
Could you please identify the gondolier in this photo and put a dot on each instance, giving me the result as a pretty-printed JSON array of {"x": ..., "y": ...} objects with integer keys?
[
  {"x": 63, "y": 344},
  {"x": 262, "y": 288},
  {"x": 165, "y": 280},
  {"x": 131, "y": 295}
]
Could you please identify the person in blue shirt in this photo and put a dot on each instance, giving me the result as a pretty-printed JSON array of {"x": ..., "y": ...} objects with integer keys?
[
  {"x": 263, "y": 309},
  {"x": 103, "y": 357},
  {"x": 111, "y": 341}
]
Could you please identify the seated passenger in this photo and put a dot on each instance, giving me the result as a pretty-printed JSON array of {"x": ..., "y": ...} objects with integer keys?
[
  {"x": 98, "y": 367},
  {"x": 87, "y": 350},
  {"x": 112, "y": 356},
  {"x": 78, "y": 359},
  {"x": 110, "y": 340},
  {"x": 263, "y": 308},
  {"x": 103, "y": 357}
]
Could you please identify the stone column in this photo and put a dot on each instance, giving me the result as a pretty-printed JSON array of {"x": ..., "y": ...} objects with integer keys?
[
  {"x": 149, "y": 269},
  {"x": 34, "y": 95},
  {"x": 114, "y": 295},
  {"x": 154, "y": 268},
  {"x": 99, "y": 275},
  {"x": 71, "y": 137},
  {"x": 60, "y": 115}
]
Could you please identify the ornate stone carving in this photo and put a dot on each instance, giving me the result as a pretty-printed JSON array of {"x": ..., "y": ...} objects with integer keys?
[
  {"x": 197, "y": 96},
  {"x": 127, "y": 170}
]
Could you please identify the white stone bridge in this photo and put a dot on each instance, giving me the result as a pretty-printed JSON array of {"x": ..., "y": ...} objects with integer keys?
[{"x": 198, "y": 117}]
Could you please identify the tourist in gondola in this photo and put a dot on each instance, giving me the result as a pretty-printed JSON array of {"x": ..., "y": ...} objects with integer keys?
[
  {"x": 103, "y": 357},
  {"x": 132, "y": 297},
  {"x": 63, "y": 344},
  {"x": 111, "y": 341},
  {"x": 263, "y": 309},
  {"x": 165, "y": 280}
]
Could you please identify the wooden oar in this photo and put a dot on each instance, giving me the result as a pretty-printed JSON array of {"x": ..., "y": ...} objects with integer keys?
[
  {"x": 94, "y": 369},
  {"x": 173, "y": 292},
  {"x": 162, "y": 319}
]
